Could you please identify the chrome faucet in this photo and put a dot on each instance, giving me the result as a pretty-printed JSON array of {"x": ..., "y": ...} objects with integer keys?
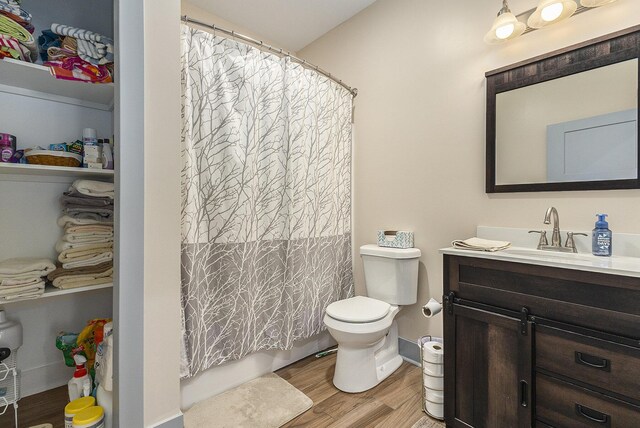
[{"x": 556, "y": 240}]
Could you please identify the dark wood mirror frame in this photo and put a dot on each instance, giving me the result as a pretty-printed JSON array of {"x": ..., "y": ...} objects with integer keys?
[{"x": 610, "y": 49}]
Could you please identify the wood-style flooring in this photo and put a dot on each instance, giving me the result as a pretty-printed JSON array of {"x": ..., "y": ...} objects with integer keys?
[
  {"x": 46, "y": 407},
  {"x": 395, "y": 403}
]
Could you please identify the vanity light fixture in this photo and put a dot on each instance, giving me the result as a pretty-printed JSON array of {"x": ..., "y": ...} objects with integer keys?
[
  {"x": 595, "y": 3},
  {"x": 505, "y": 27},
  {"x": 551, "y": 11}
]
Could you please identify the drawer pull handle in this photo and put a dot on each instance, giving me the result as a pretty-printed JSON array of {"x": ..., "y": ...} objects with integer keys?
[
  {"x": 592, "y": 415},
  {"x": 594, "y": 362},
  {"x": 524, "y": 393}
]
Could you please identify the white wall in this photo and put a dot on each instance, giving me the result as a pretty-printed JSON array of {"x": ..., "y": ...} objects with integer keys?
[{"x": 419, "y": 159}]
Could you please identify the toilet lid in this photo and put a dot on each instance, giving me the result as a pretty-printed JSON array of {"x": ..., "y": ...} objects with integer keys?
[{"x": 358, "y": 309}]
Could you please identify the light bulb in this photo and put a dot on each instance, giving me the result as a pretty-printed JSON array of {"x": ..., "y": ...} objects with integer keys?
[
  {"x": 505, "y": 31},
  {"x": 552, "y": 12}
]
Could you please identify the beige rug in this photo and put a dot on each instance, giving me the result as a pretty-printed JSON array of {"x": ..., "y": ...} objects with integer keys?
[
  {"x": 427, "y": 422},
  {"x": 266, "y": 402}
]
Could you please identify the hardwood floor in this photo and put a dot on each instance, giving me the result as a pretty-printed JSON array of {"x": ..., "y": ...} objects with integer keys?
[
  {"x": 395, "y": 403},
  {"x": 46, "y": 407}
]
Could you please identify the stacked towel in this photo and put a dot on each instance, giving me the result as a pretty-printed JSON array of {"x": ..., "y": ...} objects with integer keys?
[
  {"x": 23, "y": 278},
  {"x": 478, "y": 244},
  {"x": 86, "y": 248},
  {"x": 76, "y": 54},
  {"x": 16, "y": 39}
]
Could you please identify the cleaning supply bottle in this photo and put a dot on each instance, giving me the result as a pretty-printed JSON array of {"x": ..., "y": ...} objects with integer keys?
[
  {"x": 80, "y": 383},
  {"x": 601, "y": 237}
]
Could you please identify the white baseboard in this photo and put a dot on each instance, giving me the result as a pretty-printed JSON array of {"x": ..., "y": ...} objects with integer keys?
[
  {"x": 224, "y": 377},
  {"x": 176, "y": 421},
  {"x": 38, "y": 379}
]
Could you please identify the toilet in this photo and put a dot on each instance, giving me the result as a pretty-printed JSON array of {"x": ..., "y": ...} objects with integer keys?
[{"x": 364, "y": 327}]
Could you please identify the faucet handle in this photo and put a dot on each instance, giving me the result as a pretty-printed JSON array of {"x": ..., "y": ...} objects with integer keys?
[
  {"x": 543, "y": 237},
  {"x": 570, "y": 242}
]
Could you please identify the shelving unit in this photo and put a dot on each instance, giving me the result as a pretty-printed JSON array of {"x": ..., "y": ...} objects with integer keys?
[
  {"x": 55, "y": 292},
  {"x": 53, "y": 171},
  {"x": 34, "y": 80}
]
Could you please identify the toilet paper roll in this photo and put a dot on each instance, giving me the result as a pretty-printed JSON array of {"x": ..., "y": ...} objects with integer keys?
[
  {"x": 433, "y": 352},
  {"x": 433, "y": 382},
  {"x": 433, "y": 369},
  {"x": 431, "y": 308},
  {"x": 434, "y": 396},
  {"x": 435, "y": 409}
]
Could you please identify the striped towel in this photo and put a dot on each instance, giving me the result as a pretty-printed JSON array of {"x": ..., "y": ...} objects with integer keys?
[
  {"x": 13, "y": 47},
  {"x": 92, "y": 47},
  {"x": 12, "y": 9},
  {"x": 11, "y": 28}
]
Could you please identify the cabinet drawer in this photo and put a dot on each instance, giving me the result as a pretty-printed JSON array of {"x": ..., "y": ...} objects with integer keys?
[
  {"x": 607, "y": 365},
  {"x": 563, "y": 405}
]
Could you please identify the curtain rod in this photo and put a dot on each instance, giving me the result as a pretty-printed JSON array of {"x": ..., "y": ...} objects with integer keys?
[{"x": 261, "y": 44}]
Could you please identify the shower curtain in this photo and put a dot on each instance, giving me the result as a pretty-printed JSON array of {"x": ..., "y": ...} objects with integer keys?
[{"x": 266, "y": 200}]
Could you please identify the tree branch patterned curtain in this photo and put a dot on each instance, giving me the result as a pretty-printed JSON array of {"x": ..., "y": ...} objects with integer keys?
[{"x": 266, "y": 200}]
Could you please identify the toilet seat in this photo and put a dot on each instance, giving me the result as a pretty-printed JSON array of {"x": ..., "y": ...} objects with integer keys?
[{"x": 358, "y": 309}]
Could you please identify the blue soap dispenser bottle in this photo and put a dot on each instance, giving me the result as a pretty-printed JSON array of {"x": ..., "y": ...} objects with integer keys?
[{"x": 601, "y": 237}]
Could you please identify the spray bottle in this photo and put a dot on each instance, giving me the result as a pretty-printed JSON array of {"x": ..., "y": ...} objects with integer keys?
[{"x": 80, "y": 383}]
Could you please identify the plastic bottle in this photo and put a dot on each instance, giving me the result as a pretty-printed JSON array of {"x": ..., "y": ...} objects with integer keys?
[
  {"x": 601, "y": 237},
  {"x": 80, "y": 383},
  {"x": 10, "y": 332},
  {"x": 105, "y": 400}
]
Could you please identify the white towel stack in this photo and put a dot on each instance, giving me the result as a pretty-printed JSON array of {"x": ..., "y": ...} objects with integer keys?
[
  {"x": 86, "y": 248},
  {"x": 23, "y": 278}
]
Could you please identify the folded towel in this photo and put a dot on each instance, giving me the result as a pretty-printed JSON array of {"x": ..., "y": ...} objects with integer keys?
[
  {"x": 90, "y": 228},
  {"x": 12, "y": 9},
  {"x": 92, "y": 47},
  {"x": 104, "y": 212},
  {"x": 82, "y": 219},
  {"x": 94, "y": 188},
  {"x": 72, "y": 196},
  {"x": 86, "y": 270},
  {"x": 71, "y": 282},
  {"x": 64, "y": 245},
  {"x": 14, "y": 48},
  {"x": 20, "y": 282},
  {"x": 88, "y": 238},
  {"x": 25, "y": 267},
  {"x": 11, "y": 28},
  {"x": 76, "y": 254},
  {"x": 478, "y": 244},
  {"x": 87, "y": 260},
  {"x": 21, "y": 292}
]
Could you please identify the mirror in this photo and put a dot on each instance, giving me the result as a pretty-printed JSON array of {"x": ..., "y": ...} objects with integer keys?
[{"x": 567, "y": 120}]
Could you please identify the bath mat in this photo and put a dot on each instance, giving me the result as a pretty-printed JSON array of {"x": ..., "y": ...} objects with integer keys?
[
  {"x": 427, "y": 422},
  {"x": 266, "y": 402}
]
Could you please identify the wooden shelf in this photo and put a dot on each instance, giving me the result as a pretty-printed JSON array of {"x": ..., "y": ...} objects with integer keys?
[
  {"x": 17, "y": 169},
  {"x": 54, "y": 292},
  {"x": 25, "y": 78}
]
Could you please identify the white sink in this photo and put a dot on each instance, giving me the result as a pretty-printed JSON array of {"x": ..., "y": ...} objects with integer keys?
[{"x": 554, "y": 255}]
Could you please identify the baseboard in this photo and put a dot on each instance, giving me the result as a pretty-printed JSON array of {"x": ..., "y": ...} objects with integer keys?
[
  {"x": 176, "y": 421},
  {"x": 38, "y": 379},
  {"x": 409, "y": 351}
]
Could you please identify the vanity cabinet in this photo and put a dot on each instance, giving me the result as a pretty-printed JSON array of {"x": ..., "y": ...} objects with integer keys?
[{"x": 532, "y": 345}]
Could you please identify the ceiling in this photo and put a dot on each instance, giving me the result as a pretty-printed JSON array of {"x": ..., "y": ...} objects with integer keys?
[{"x": 292, "y": 24}]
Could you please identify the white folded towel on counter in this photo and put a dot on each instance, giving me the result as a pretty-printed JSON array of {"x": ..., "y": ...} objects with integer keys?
[
  {"x": 478, "y": 244},
  {"x": 94, "y": 188},
  {"x": 25, "y": 268}
]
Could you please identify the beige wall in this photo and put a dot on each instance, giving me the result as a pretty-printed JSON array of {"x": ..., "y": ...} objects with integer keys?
[
  {"x": 524, "y": 114},
  {"x": 419, "y": 158}
]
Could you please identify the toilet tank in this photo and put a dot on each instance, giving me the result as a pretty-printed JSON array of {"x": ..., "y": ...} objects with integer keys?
[{"x": 391, "y": 274}]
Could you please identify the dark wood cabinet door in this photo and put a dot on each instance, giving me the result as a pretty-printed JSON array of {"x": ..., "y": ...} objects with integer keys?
[{"x": 488, "y": 372}]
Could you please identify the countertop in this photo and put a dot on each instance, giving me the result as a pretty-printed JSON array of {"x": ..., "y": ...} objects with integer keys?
[{"x": 614, "y": 265}]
